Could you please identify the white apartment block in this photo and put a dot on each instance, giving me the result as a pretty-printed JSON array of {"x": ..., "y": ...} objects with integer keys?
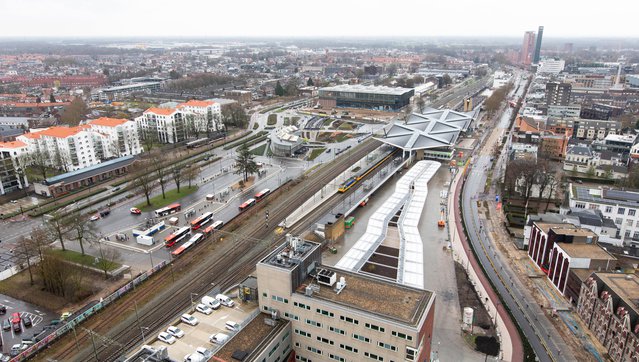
[
  {"x": 620, "y": 206},
  {"x": 10, "y": 177},
  {"x": 119, "y": 137},
  {"x": 173, "y": 125}
]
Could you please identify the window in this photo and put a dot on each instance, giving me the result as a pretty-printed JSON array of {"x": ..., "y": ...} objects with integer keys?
[
  {"x": 349, "y": 319},
  {"x": 411, "y": 353},
  {"x": 288, "y": 333},
  {"x": 314, "y": 323},
  {"x": 629, "y": 222},
  {"x": 291, "y": 316},
  {"x": 635, "y": 235},
  {"x": 314, "y": 350},
  {"x": 336, "y": 357},
  {"x": 580, "y": 205},
  {"x": 279, "y": 299},
  {"x": 361, "y": 338},
  {"x": 348, "y": 348},
  {"x": 301, "y": 358},
  {"x": 373, "y": 356},
  {"x": 336, "y": 330},
  {"x": 325, "y": 312},
  {"x": 302, "y": 333},
  {"x": 618, "y": 221},
  {"x": 325, "y": 340},
  {"x": 627, "y": 233},
  {"x": 266, "y": 308},
  {"x": 302, "y": 305},
  {"x": 275, "y": 347},
  {"x": 402, "y": 335},
  {"x": 387, "y": 346},
  {"x": 374, "y": 327},
  {"x": 264, "y": 295},
  {"x": 632, "y": 212},
  {"x": 621, "y": 211}
]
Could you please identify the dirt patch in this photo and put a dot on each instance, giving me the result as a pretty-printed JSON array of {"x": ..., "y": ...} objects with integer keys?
[
  {"x": 387, "y": 250},
  {"x": 248, "y": 183},
  {"x": 383, "y": 259},
  {"x": 483, "y": 324}
]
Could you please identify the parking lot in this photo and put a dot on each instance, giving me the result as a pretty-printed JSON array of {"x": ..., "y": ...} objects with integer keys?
[
  {"x": 38, "y": 316},
  {"x": 198, "y": 336}
]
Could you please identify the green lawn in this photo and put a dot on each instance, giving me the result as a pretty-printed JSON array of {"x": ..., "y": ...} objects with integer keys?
[
  {"x": 342, "y": 137},
  {"x": 272, "y": 120},
  {"x": 259, "y": 151},
  {"x": 78, "y": 258},
  {"x": 345, "y": 126},
  {"x": 171, "y": 197},
  {"x": 315, "y": 153}
]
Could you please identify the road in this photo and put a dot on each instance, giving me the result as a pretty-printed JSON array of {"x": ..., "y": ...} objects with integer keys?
[{"x": 542, "y": 336}]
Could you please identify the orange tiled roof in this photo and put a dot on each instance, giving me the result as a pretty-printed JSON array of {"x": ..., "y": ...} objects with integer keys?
[
  {"x": 31, "y": 135},
  {"x": 62, "y": 132},
  {"x": 161, "y": 111},
  {"x": 108, "y": 122},
  {"x": 12, "y": 144},
  {"x": 196, "y": 103}
]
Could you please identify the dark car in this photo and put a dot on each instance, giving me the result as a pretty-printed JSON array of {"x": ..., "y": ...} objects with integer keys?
[
  {"x": 6, "y": 325},
  {"x": 17, "y": 327},
  {"x": 27, "y": 322},
  {"x": 3, "y": 309}
]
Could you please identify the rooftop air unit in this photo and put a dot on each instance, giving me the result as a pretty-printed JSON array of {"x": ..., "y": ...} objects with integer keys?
[{"x": 326, "y": 277}]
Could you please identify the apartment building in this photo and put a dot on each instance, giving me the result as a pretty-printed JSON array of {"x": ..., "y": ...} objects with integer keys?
[
  {"x": 558, "y": 93},
  {"x": 582, "y": 159},
  {"x": 11, "y": 177},
  {"x": 619, "y": 205},
  {"x": 164, "y": 125},
  {"x": 343, "y": 316},
  {"x": 207, "y": 115},
  {"x": 118, "y": 137},
  {"x": 608, "y": 306}
]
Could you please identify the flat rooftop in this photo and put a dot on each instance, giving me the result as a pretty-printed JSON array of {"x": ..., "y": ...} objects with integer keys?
[
  {"x": 369, "y": 89},
  {"x": 565, "y": 229},
  {"x": 371, "y": 295},
  {"x": 248, "y": 339},
  {"x": 626, "y": 286},
  {"x": 288, "y": 258},
  {"x": 590, "y": 251}
]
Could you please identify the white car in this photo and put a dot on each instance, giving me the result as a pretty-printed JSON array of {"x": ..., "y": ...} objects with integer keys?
[
  {"x": 175, "y": 332},
  {"x": 219, "y": 338},
  {"x": 189, "y": 319},
  {"x": 95, "y": 217},
  {"x": 203, "y": 309},
  {"x": 166, "y": 338},
  {"x": 193, "y": 357}
]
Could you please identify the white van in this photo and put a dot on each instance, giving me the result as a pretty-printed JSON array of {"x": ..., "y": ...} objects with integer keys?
[
  {"x": 211, "y": 302},
  {"x": 219, "y": 338},
  {"x": 225, "y": 300},
  {"x": 232, "y": 326}
]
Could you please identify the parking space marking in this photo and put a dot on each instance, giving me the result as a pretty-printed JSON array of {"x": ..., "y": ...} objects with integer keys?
[{"x": 35, "y": 319}]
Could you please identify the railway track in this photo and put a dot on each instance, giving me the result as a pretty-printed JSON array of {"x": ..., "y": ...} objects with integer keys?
[{"x": 163, "y": 296}]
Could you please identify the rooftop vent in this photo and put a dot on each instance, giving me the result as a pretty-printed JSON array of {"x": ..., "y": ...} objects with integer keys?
[
  {"x": 326, "y": 277},
  {"x": 340, "y": 285}
]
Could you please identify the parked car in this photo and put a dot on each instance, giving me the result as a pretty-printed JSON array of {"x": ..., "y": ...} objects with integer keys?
[
  {"x": 189, "y": 319},
  {"x": 3, "y": 309},
  {"x": 17, "y": 328},
  {"x": 232, "y": 326},
  {"x": 27, "y": 321},
  {"x": 95, "y": 217},
  {"x": 219, "y": 338},
  {"x": 203, "y": 309},
  {"x": 166, "y": 338},
  {"x": 6, "y": 325},
  {"x": 4, "y": 357},
  {"x": 175, "y": 332},
  {"x": 15, "y": 350},
  {"x": 135, "y": 211},
  {"x": 226, "y": 301},
  {"x": 64, "y": 316},
  {"x": 211, "y": 302}
]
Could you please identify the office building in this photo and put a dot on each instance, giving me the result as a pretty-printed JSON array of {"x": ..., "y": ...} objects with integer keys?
[
  {"x": 343, "y": 316},
  {"x": 551, "y": 66},
  {"x": 608, "y": 306},
  {"x": 120, "y": 92},
  {"x": 571, "y": 110},
  {"x": 527, "y": 48},
  {"x": 359, "y": 96},
  {"x": 558, "y": 94},
  {"x": 537, "y": 53}
]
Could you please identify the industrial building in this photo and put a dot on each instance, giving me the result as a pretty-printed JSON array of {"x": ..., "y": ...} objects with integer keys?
[{"x": 359, "y": 96}]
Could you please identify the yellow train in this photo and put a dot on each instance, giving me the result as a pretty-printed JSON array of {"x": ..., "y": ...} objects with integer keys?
[{"x": 353, "y": 180}]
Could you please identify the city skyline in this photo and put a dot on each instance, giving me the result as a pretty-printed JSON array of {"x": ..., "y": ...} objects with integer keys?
[{"x": 332, "y": 19}]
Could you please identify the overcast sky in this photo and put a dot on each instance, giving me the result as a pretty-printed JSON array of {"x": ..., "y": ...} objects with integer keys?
[{"x": 90, "y": 18}]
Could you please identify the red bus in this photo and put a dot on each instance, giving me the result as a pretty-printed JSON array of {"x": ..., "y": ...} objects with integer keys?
[
  {"x": 177, "y": 236},
  {"x": 192, "y": 241},
  {"x": 216, "y": 226},
  {"x": 248, "y": 203},
  {"x": 202, "y": 220},
  {"x": 171, "y": 209},
  {"x": 262, "y": 194}
]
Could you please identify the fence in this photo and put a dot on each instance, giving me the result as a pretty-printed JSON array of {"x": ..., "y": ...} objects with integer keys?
[{"x": 70, "y": 324}]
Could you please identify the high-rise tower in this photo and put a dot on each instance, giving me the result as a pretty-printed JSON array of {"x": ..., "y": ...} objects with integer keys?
[
  {"x": 540, "y": 33},
  {"x": 525, "y": 57}
]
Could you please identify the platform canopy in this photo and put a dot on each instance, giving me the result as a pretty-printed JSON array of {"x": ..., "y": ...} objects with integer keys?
[{"x": 434, "y": 128}]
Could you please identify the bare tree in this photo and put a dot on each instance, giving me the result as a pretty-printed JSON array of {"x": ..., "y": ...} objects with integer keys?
[
  {"x": 552, "y": 186},
  {"x": 191, "y": 174},
  {"x": 82, "y": 229},
  {"x": 58, "y": 227},
  {"x": 41, "y": 241},
  {"x": 24, "y": 252},
  {"x": 177, "y": 174},
  {"x": 144, "y": 181},
  {"x": 161, "y": 174},
  {"x": 39, "y": 159},
  {"x": 109, "y": 256}
]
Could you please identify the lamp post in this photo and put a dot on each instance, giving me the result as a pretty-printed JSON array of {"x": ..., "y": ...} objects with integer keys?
[
  {"x": 193, "y": 302},
  {"x": 142, "y": 331}
]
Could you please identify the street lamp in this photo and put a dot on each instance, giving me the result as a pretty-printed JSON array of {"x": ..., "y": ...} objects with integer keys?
[
  {"x": 142, "y": 331},
  {"x": 192, "y": 302}
]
